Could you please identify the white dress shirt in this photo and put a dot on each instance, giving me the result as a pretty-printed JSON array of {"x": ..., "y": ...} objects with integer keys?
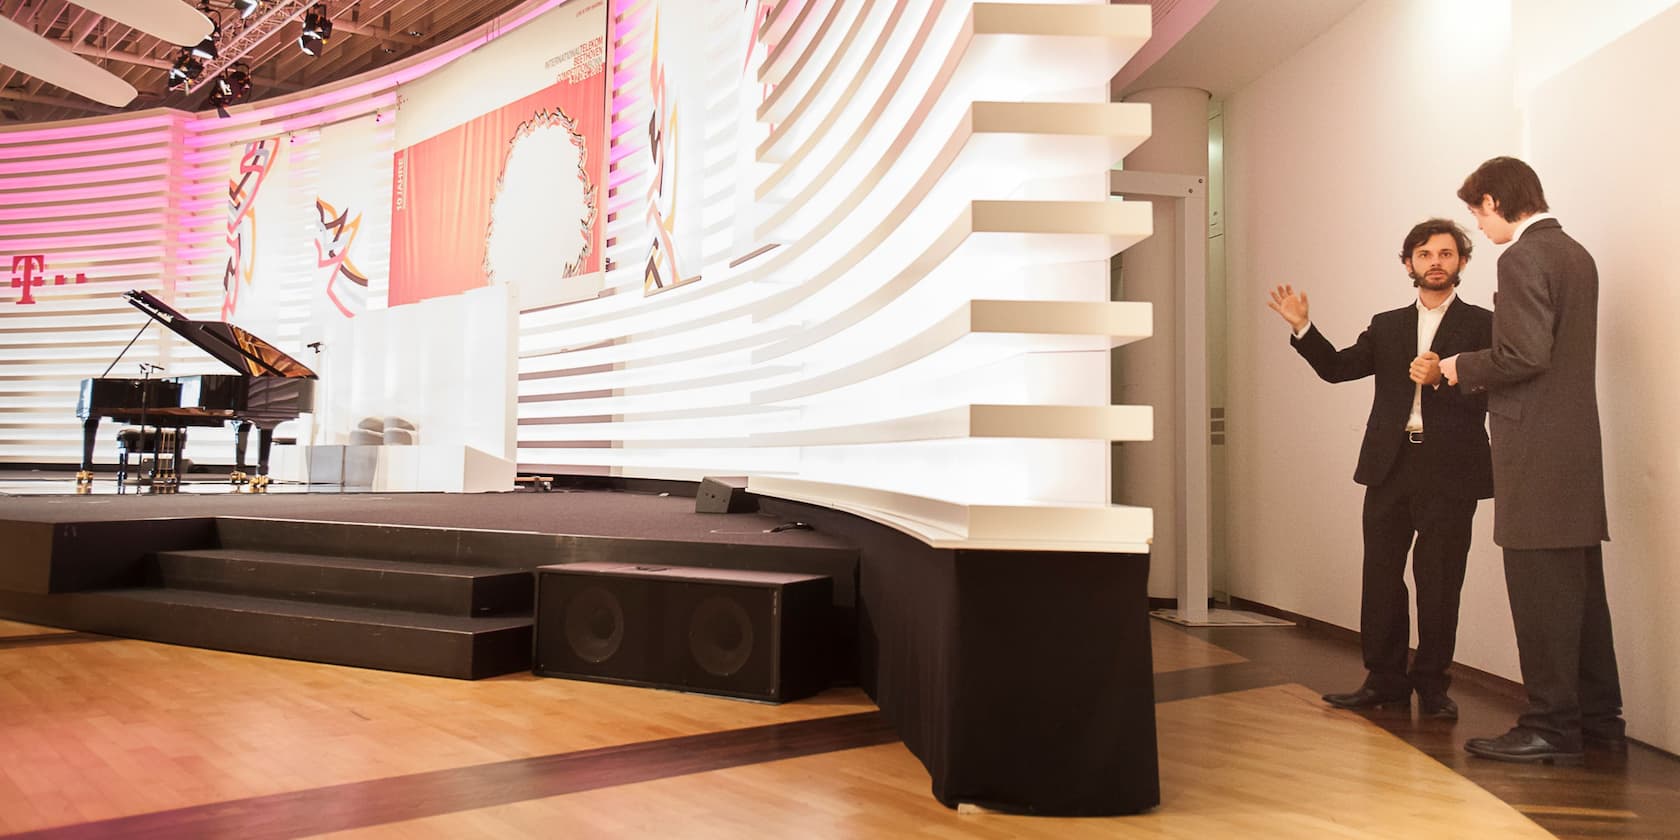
[
  {"x": 1429, "y": 320},
  {"x": 1517, "y": 232}
]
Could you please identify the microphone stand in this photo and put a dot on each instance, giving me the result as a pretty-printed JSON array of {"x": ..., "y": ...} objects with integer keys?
[{"x": 145, "y": 405}]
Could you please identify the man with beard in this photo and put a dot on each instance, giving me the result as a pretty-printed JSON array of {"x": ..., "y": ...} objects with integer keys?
[{"x": 1424, "y": 463}]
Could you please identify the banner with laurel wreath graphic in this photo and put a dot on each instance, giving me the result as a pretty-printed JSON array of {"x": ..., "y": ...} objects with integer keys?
[{"x": 512, "y": 196}]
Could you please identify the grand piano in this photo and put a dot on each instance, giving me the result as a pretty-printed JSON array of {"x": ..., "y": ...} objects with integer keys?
[{"x": 269, "y": 388}]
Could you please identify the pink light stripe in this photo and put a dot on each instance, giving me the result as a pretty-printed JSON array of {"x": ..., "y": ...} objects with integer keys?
[
  {"x": 618, "y": 177},
  {"x": 80, "y": 147},
  {"x": 37, "y": 182},
  {"x": 216, "y": 175},
  {"x": 37, "y": 228},
  {"x": 98, "y": 271},
  {"x": 195, "y": 207},
  {"x": 30, "y": 242},
  {"x": 336, "y": 115},
  {"x": 627, "y": 19},
  {"x": 635, "y": 116},
  {"x": 85, "y": 161},
  {"x": 620, "y": 202},
  {"x": 303, "y": 123},
  {"x": 97, "y": 208},
  {"x": 80, "y": 129},
  {"x": 56, "y": 259},
  {"x": 623, "y": 127},
  {"x": 631, "y": 80},
  {"x": 65, "y": 196},
  {"x": 212, "y": 154},
  {"x": 624, "y": 150}
]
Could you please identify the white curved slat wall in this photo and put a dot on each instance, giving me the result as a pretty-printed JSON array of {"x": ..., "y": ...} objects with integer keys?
[
  {"x": 899, "y": 255},
  {"x": 916, "y": 325},
  {"x": 92, "y": 198}
]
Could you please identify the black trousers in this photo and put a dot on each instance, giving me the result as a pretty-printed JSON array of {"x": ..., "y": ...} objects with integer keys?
[
  {"x": 1564, "y": 643},
  {"x": 1400, "y": 514}
]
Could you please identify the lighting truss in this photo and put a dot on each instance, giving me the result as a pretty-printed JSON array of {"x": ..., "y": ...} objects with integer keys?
[{"x": 242, "y": 35}]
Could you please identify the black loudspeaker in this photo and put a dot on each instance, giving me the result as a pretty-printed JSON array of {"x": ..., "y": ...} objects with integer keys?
[
  {"x": 758, "y": 635},
  {"x": 724, "y": 495}
]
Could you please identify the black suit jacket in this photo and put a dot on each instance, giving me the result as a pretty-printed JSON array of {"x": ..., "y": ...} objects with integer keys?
[{"x": 1456, "y": 461}]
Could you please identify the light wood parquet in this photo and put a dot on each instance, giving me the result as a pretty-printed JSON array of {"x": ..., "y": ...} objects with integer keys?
[
  {"x": 1313, "y": 773},
  {"x": 103, "y": 729}
]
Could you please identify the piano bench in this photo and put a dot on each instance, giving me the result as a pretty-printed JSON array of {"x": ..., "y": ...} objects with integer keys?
[{"x": 164, "y": 442}]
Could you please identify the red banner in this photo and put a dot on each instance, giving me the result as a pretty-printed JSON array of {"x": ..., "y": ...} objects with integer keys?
[{"x": 445, "y": 188}]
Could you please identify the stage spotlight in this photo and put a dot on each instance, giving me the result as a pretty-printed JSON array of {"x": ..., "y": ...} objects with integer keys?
[
  {"x": 233, "y": 87},
  {"x": 238, "y": 81},
  {"x": 245, "y": 7},
  {"x": 317, "y": 29},
  {"x": 206, "y": 49},
  {"x": 186, "y": 69}
]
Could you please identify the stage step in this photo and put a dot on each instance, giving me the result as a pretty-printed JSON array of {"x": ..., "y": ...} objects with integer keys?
[
  {"x": 443, "y": 588},
  {"x": 364, "y": 637}
]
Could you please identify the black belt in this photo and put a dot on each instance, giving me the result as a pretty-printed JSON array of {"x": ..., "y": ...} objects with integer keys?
[{"x": 1415, "y": 437}]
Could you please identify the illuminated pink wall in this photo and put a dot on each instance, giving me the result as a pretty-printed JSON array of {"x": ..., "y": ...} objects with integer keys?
[{"x": 92, "y": 208}]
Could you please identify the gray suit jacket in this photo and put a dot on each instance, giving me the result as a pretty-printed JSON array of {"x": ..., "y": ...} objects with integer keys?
[{"x": 1540, "y": 375}]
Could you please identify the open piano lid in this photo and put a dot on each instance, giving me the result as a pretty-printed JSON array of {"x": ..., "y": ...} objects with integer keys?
[{"x": 235, "y": 347}]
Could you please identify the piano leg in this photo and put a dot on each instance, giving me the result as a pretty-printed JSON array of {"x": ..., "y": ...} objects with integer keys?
[
  {"x": 84, "y": 477},
  {"x": 265, "y": 441},
  {"x": 242, "y": 436}
]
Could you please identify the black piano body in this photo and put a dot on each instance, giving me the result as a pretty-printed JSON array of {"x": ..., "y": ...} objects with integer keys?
[{"x": 269, "y": 389}]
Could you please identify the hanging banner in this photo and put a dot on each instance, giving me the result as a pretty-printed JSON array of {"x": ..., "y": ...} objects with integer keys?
[
  {"x": 513, "y": 196},
  {"x": 254, "y": 222},
  {"x": 351, "y": 218}
]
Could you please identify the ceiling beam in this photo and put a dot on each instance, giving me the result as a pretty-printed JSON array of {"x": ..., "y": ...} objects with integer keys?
[
  {"x": 57, "y": 101},
  {"x": 381, "y": 33},
  {"x": 118, "y": 55}
]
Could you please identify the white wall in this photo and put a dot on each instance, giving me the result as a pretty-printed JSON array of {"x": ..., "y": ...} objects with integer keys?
[
  {"x": 1330, "y": 158},
  {"x": 1604, "y": 145}
]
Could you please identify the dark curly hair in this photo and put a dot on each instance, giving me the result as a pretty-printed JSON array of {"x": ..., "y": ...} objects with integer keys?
[{"x": 1424, "y": 230}]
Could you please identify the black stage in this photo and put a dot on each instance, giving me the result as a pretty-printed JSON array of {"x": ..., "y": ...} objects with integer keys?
[{"x": 1022, "y": 679}]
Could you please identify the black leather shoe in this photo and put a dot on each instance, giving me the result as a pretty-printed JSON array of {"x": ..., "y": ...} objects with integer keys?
[
  {"x": 1368, "y": 698},
  {"x": 1523, "y": 745},
  {"x": 1437, "y": 705}
]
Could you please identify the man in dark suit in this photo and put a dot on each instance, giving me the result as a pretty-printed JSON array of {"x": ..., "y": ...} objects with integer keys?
[
  {"x": 1548, "y": 467},
  {"x": 1424, "y": 464}
]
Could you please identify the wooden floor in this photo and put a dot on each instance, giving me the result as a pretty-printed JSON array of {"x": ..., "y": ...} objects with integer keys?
[{"x": 104, "y": 737}]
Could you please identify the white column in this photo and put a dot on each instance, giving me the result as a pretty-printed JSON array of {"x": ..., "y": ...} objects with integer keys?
[{"x": 1159, "y": 474}]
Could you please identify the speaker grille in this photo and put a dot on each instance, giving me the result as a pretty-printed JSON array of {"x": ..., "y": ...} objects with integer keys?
[
  {"x": 720, "y": 636},
  {"x": 594, "y": 624},
  {"x": 761, "y": 635}
]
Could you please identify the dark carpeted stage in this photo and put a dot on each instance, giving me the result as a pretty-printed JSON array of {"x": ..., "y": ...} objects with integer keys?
[{"x": 1022, "y": 679}]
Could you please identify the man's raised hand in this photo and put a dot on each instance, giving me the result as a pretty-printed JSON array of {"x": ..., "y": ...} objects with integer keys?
[{"x": 1292, "y": 305}]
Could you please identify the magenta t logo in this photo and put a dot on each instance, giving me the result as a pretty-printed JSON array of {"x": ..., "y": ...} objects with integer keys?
[
  {"x": 29, "y": 271},
  {"x": 32, "y": 266}
]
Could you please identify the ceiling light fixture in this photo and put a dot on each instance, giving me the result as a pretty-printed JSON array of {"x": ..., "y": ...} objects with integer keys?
[
  {"x": 317, "y": 29},
  {"x": 245, "y": 8},
  {"x": 233, "y": 87},
  {"x": 186, "y": 69},
  {"x": 206, "y": 49}
]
